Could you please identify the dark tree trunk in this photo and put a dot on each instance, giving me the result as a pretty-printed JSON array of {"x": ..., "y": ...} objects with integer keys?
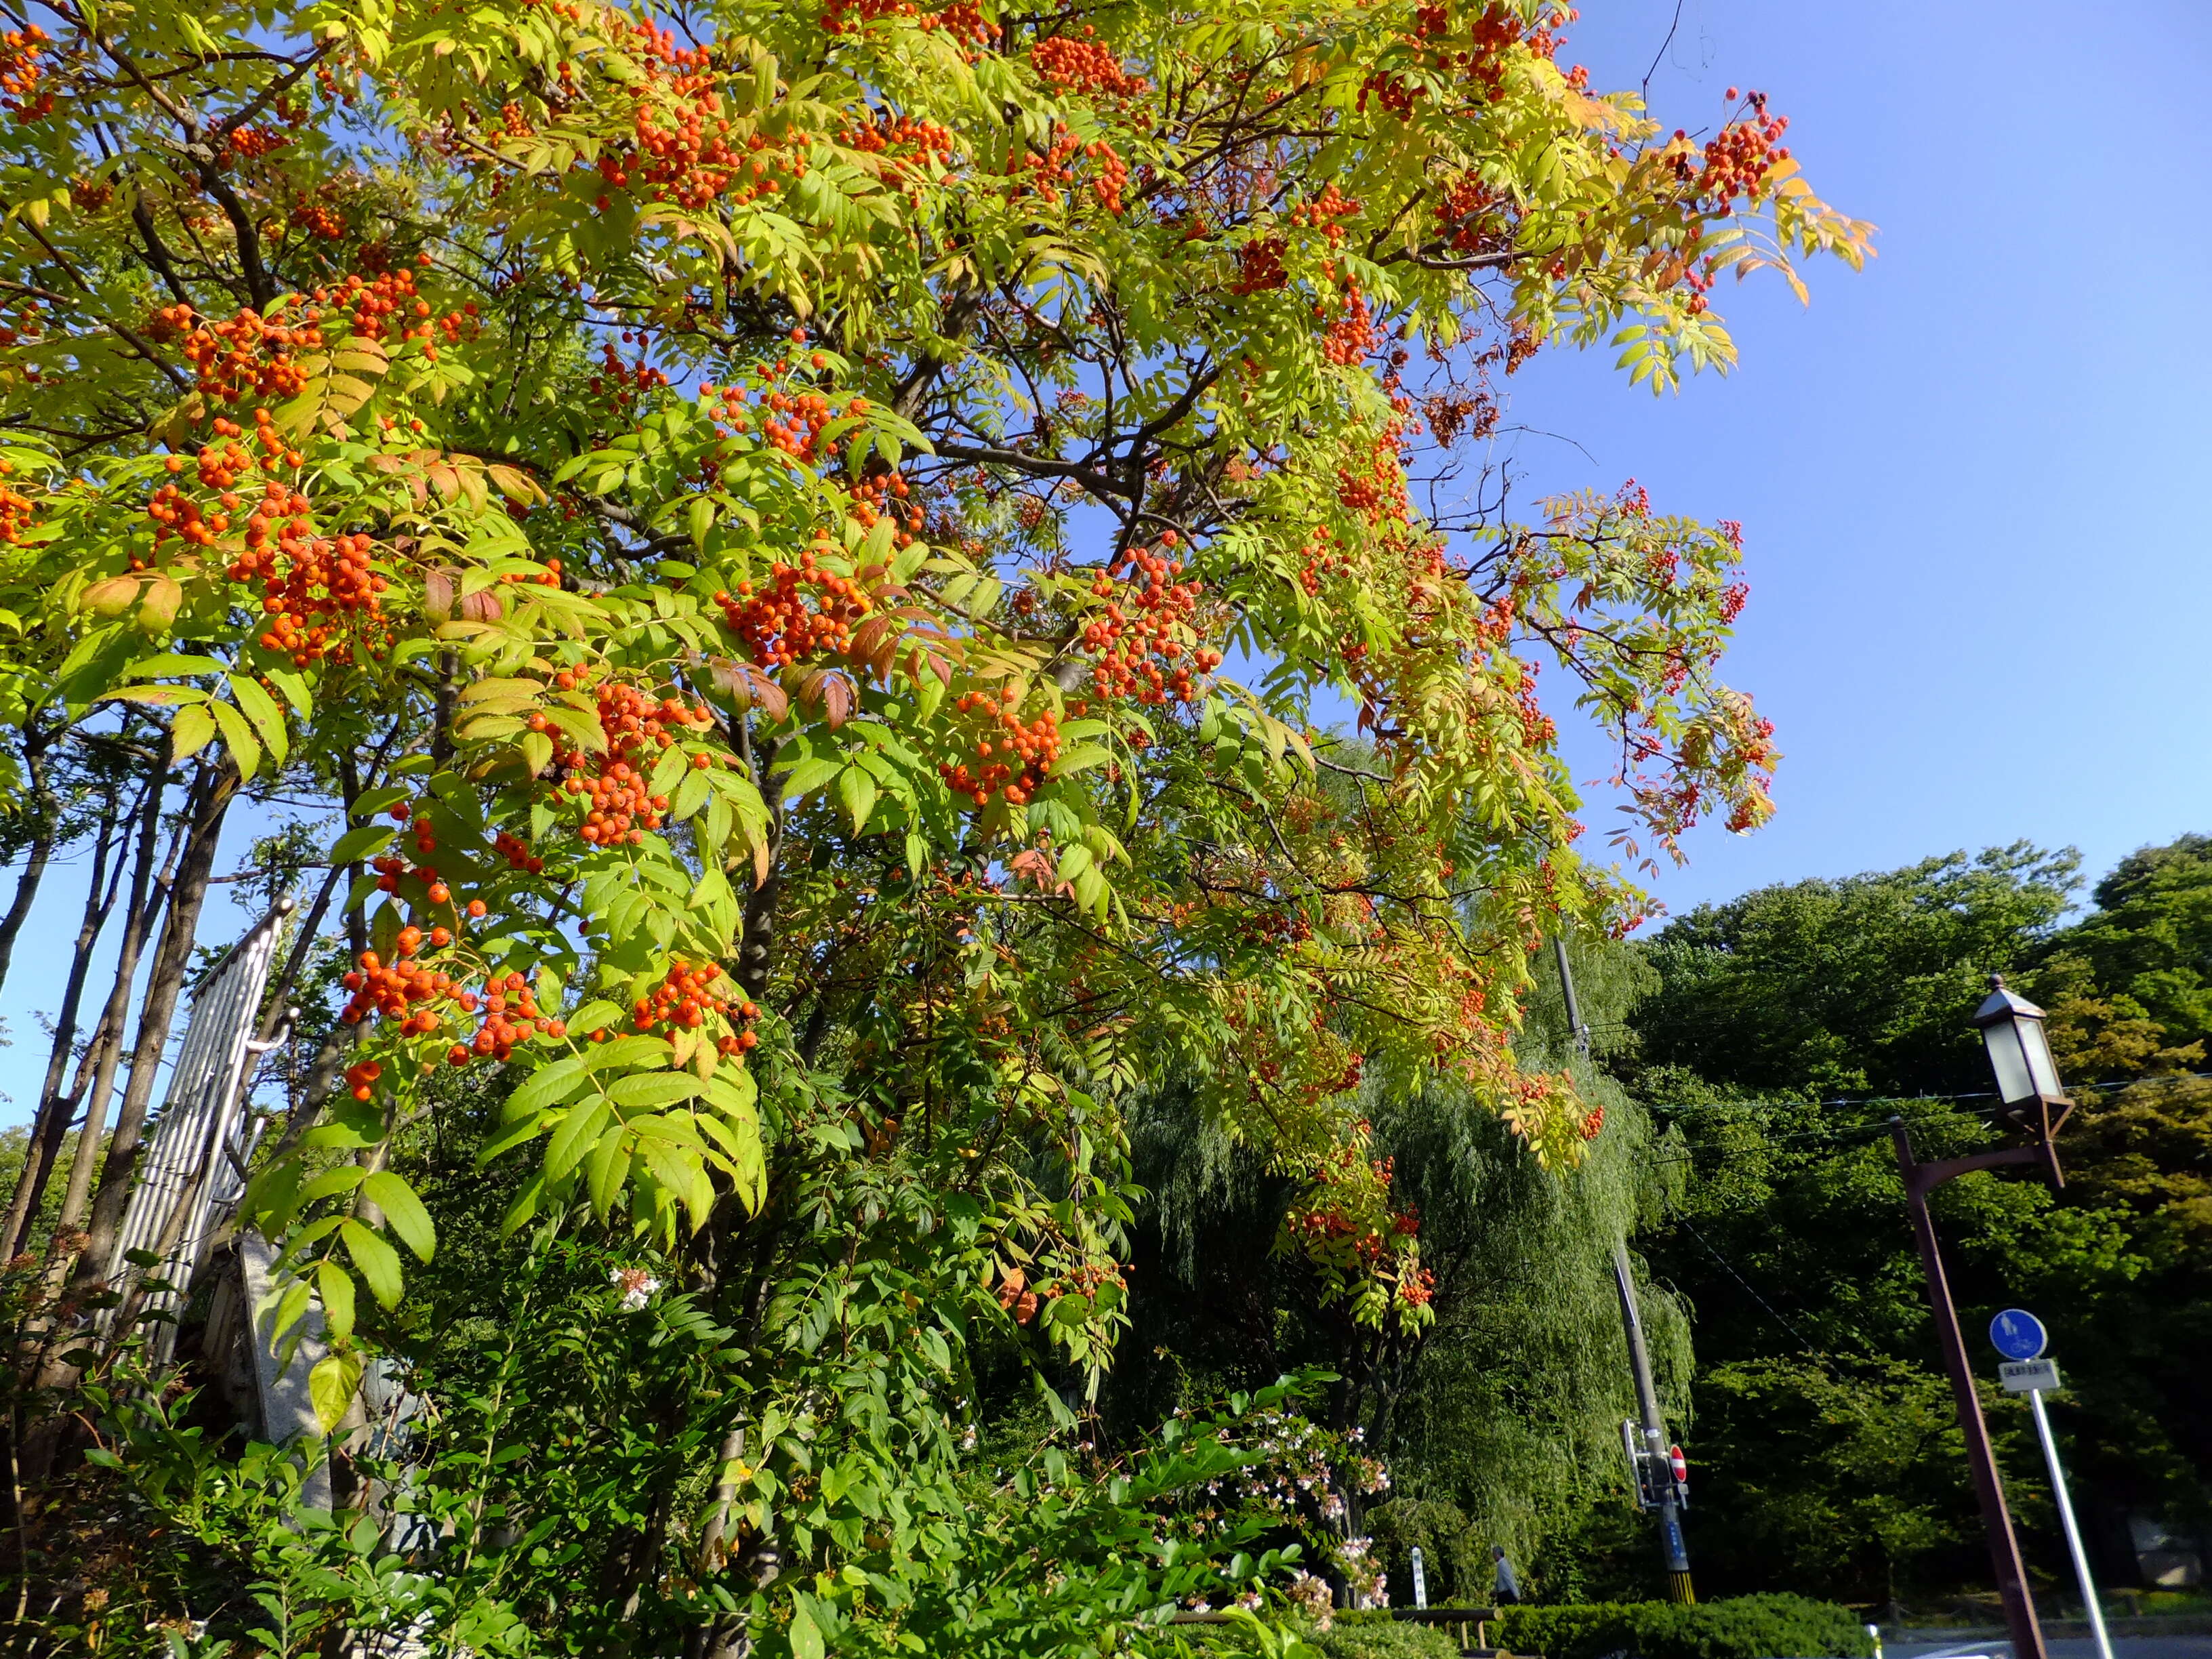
[
  {"x": 210, "y": 800},
  {"x": 102, "y": 1056},
  {"x": 56, "y": 1106},
  {"x": 41, "y": 849}
]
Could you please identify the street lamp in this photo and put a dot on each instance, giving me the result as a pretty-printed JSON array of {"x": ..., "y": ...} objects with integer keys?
[
  {"x": 2012, "y": 1031},
  {"x": 2028, "y": 1088}
]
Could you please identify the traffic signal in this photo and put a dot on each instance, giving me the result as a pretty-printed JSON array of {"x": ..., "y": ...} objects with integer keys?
[{"x": 1643, "y": 1471}]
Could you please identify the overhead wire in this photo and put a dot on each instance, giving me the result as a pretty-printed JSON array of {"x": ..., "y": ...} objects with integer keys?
[{"x": 1729, "y": 1267}]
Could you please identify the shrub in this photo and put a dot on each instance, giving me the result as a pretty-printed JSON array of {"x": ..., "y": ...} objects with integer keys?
[{"x": 1746, "y": 1627}]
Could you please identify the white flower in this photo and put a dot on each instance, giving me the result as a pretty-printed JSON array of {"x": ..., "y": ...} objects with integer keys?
[{"x": 637, "y": 1284}]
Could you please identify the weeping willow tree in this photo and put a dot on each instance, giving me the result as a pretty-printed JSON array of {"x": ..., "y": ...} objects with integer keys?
[{"x": 1500, "y": 1416}]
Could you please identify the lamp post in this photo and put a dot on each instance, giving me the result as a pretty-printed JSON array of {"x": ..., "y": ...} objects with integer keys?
[{"x": 2028, "y": 1092}]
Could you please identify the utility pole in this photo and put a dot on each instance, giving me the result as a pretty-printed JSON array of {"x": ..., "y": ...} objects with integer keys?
[
  {"x": 1654, "y": 1474},
  {"x": 1581, "y": 1032},
  {"x": 1651, "y": 1465}
]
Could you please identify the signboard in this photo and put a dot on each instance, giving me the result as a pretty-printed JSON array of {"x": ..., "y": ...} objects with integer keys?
[
  {"x": 2029, "y": 1376},
  {"x": 2018, "y": 1334}
]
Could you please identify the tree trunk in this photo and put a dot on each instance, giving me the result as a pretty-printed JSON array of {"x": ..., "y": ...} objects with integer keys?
[
  {"x": 211, "y": 798},
  {"x": 42, "y": 848},
  {"x": 107, "y": 1046},
  {"x": 55, "y": 1107}
]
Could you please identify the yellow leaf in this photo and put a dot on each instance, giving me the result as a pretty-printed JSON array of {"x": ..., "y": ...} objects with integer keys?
[{"x": 191, "y": 733}]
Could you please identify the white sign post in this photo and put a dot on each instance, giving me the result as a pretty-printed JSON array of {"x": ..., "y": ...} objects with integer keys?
[{"x": 2030, "y": 1373}]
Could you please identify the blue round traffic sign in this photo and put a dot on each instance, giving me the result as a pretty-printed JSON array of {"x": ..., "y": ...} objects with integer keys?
[{"x": 2018, "y": 1334}]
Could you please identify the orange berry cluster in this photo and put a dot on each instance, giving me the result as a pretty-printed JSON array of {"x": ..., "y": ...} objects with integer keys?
[
  {"x": 1465, "y": 215},
  {"x": 548, "y": 577},
  {"x": 1012, "y": 756},
  {"x": 685, "y": 150},
  {"x": 25, "y": 326},
  {"x": 410, "y": 991},
  {"x": 1322, "y": 561},
  {"x": 1113, "y": 175},
  {"x": 1146, "y": 653},
  {"x": 1260, "y": 266},
  {"x": 963, "y": 21},
  {"x": 248, "y": 143},
  {"x": 905, "y": 141},
  {"x": 21, "y": 71},
  {"x": 623, "y": 383},
  {"x": 886, "y": 492},
  {"x": 15, "y": 510},
  {"x": 682, "y": 1002},
  {"x": 318, "y": 220},
  {"x": 1738, "y": 158},
  {"x": 1085, "y": 65},
  {"x": 511, "y": 1016},
  {"x": 246, "y": 357},
  {"x": 397, "y": 990},
  {"x": 319, "y": 593},
  {"x": 1396, "y": 95},
  {"x": 1048, "y": 170},
  {"x": 804, "y": 610},
  {"x": 1324, "y": 211},
  {"x": 794, "y": 422},
  {"x": 175, "y": 514},
  {"x": 220, "y": 466},
  {"x": 517, "y": 852},
  {"x": 614, "y": 782},
  {"x": 1594, "y": 1124},
  {"x": 390, "y": 868},
  {"x": 1351, "y": 334},
  {"x": 379, "y": 305}
]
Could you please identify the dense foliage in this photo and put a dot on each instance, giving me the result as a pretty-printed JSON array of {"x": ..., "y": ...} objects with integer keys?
[
  {"x": 1824, "y": 1428},
  {"x": 727, "y": 538}
]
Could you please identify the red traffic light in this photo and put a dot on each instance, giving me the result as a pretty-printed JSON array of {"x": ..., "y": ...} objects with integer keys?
[{"x": 1678, "y": 1465}]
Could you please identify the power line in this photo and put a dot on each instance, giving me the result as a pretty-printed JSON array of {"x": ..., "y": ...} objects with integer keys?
[
  {"x": 1694, "y": 1108},
  {"x": 1684, "y": 1222}
]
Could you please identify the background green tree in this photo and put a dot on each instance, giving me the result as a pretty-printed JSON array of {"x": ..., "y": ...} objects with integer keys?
[{"x": 1822, "y": 1426}]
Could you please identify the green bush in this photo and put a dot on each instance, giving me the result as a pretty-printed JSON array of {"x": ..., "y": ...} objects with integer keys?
[
  {"x": 1367, "y": 1635},
  {"x": 1747, "y": 1628}
]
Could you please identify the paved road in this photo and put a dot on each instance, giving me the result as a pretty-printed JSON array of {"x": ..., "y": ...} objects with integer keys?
[{"x": 2062, "y": 1647}]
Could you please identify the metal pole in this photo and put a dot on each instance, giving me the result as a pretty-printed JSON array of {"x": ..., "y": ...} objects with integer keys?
[
  {"x": 1580, "y": 1031},
  {"x": 2004, "y": 1547},
  {"x": 2073, "y": 1532},
  {"x": 1671, "y": 1547}
]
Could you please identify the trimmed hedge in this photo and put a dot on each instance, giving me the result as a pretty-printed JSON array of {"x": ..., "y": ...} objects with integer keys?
[
  {"x": 1381, "y": 1639},
  {"x": 1745, "y": 1628}
]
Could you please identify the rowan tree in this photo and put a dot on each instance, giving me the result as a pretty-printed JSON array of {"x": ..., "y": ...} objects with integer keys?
[{"x": 807, "y": 541}]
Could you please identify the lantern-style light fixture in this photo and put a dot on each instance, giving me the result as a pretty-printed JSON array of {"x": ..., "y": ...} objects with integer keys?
[{"x": 2012, "y": 1031}]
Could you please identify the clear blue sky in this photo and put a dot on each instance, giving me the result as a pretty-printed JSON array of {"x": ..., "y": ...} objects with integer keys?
[
  {"x": 1973, "y": 478},
  {"x": 1970, "y": 478}
]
